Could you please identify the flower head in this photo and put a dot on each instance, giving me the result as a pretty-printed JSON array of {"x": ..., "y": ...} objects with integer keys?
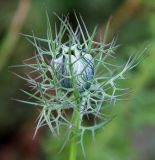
[{"x": 81, "y": 78}]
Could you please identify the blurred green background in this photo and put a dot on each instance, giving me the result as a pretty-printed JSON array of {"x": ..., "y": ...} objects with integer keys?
[{"x": 131, "y": 135}]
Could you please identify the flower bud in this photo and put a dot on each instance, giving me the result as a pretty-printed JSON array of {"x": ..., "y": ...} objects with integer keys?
[{"x": 82, "y": 66}]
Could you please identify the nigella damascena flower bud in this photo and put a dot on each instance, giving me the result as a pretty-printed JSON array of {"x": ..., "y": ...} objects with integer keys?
[
  {"x": 94, "y": 81},
  {"x": 82, "y": 65}
]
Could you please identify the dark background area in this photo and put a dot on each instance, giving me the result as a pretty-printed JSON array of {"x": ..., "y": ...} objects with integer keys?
[{"x": 131, "y": 135}]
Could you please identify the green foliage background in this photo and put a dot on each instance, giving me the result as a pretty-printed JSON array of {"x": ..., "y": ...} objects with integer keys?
[{"x": 130, "y": 136}]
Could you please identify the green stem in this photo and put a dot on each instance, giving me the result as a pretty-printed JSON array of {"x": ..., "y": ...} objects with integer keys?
[
  {"x": 76, "y": 124},
  {"x": 73, "y": 150},
  {"x": 73, "y": 147}
]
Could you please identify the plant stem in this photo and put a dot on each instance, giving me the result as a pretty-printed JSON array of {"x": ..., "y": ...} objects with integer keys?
[
  {"x": 73, "y": 147},
  {"x": 73, "y": 151}
]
